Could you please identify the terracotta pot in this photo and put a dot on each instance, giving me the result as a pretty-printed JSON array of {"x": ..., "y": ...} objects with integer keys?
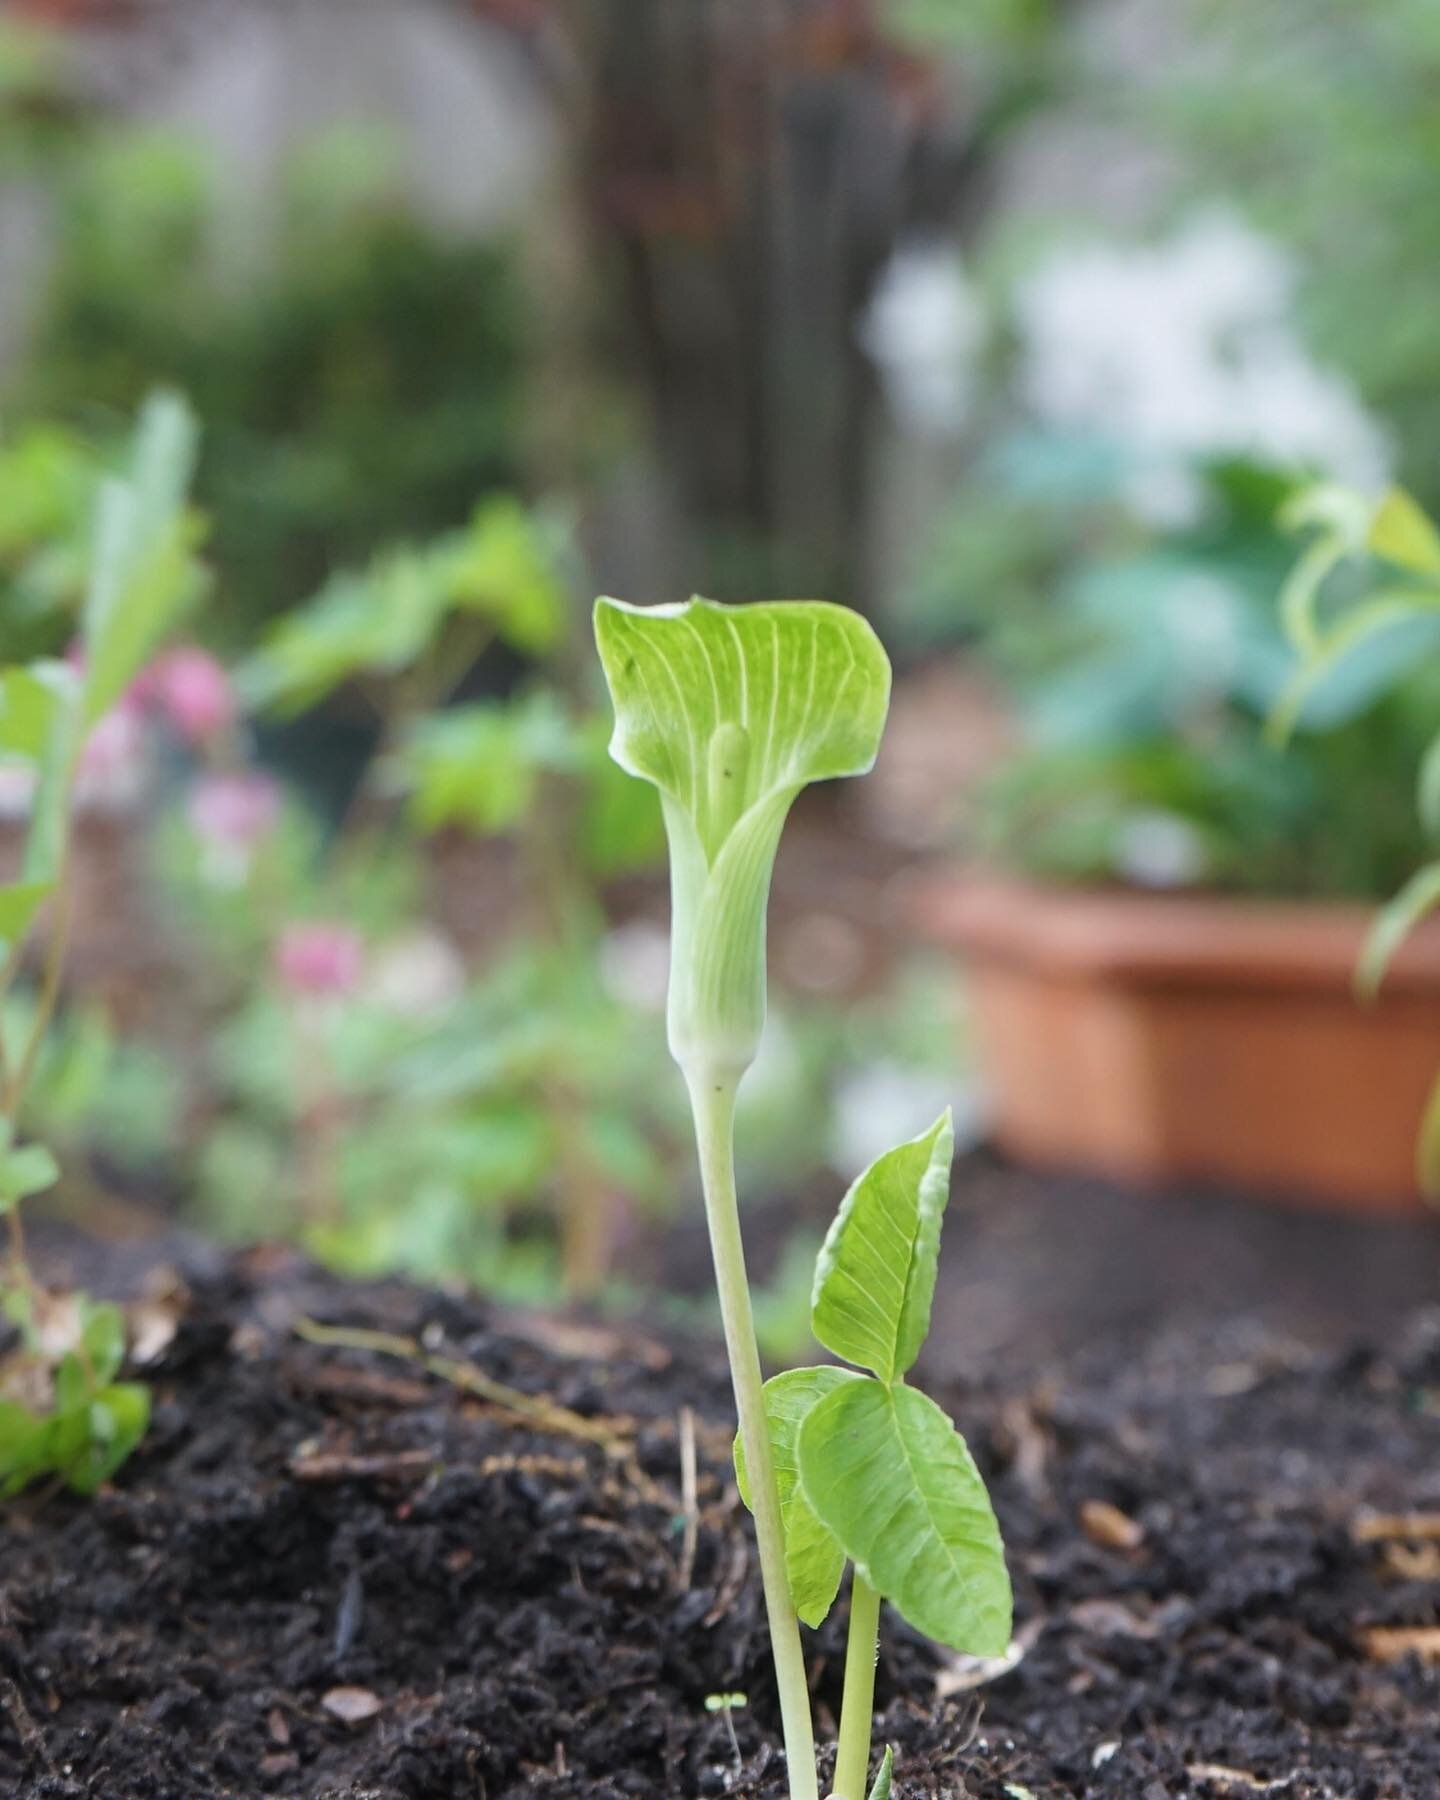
[{"x": 1157, "y": 1038}]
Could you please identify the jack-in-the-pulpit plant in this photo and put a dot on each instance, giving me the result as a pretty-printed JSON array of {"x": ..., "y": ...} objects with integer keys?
[{"x": 730, "y": 712}]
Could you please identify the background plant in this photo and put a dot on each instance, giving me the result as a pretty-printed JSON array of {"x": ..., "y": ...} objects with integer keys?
[
  {"x": 1367, "y": 587},
  {"x": 1144, "y": 661},
  {"x": 64, "y": 1412},
  {"x": 359, "y": 372}
]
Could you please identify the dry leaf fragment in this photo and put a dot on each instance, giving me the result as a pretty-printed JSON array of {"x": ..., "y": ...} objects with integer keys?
[
  {"x": 960, "y": 1673},
  {"x": 1417, "y": 1527},
  {"x": 1232, "y": 1780},
  {"x": 1107, "y": 1526},
  {"x": 1390, "y": 1643},
  {"x": 1108, "y": 1618},
  {"x": 352, "y": 1704},
  {"x": 1412, "y": 1562}
]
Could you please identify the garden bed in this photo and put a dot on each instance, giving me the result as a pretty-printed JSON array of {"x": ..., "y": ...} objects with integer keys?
[{"x": 337, "y": 1571}]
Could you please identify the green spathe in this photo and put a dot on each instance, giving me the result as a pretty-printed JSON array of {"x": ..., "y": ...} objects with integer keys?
[{"x": 730, "y": 711}]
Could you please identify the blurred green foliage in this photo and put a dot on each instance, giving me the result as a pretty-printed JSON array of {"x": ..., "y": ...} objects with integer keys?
[
  {"x": 1145, "y": 661},
  {"x": 359, "y": 372},
  {"x": 64, "y": 1413}
]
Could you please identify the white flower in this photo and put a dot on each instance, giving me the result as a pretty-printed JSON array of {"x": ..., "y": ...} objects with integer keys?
[
  {"x": 884, "y": 1103},
  {"x": 417, "y": 976},
  {"x": 1159, "y": 850},
  {"x": 923, "y": 329},
  {"x": 1187, "y": 350},
  {"x": 17, "y": 790},
  {"x": 635, "y": 965}
]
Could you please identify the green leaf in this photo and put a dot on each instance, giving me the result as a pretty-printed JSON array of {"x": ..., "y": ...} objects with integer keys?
[
  {"x": 886, "y": 1470},
  {"x": 506, "y": 567},
  {"x": 20, "y": 901},
  {"x": 1427, "y": 1146},
  {"x": 116, "y": 1420},
  {"x": 814, "y": 1561},
  {"x": 73, "y": 1386},
  {"x": 1381, "y": 614},
  {"x": 884, "y": 1776},
  {"x": 730, "y": 711},
  {"x": 875, "y": 1275},
  {"x": 28, "y": 1170},
  {"x": 1403, "y": 534},
  {"x": 142, "y": 573},
  {"x": 56, "y": 758},
  {"x": 25, "y": 1447},
  {"x": 480, "y": 765},
  {"x": 28, "y": 699},
  {"x": 1393, "y": 924},
  {"x": 377, "y": 622},
  {"x": 1342, "y": 520},
  {"x": 1427, "y": 788},
  {"x": 103, "y": 1335}
]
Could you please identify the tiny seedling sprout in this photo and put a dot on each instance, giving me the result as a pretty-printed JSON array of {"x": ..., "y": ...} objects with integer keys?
[
  {"x": 730, "y": 712},
  {"x": 725, "y": 1705}
]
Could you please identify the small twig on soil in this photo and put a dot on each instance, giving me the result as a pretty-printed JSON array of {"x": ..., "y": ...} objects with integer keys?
[
  {"x": 341, "y": 1465},
  {"x": 611, "y": 1434},
  {"x": 1392, "y": 1643},
  {"x": 1418, "y": 1527},
  {"x": 689, "y": 1495},
  {"x": 1232, "y": 1780},
  {"x": 615, "y": 1436}
]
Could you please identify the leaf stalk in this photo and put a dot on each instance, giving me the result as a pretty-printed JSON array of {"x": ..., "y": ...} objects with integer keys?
[{"x": 857, "y": 1703}]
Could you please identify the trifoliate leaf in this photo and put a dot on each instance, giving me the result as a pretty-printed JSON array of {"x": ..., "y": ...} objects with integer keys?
[
  {"x": 814, "y": 1561},
  {"x": 1401, "y": 532},
  {"x": 887, "y": 1472}
]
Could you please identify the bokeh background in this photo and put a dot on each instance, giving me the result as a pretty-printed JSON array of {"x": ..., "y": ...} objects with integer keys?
[{"x": 1013, "y": 324}]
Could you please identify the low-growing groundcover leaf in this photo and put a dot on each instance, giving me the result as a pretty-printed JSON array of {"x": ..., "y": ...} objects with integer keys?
[
  {"x": 94, "y": 1422},
  {"x": 26, "y": 1170},
  {"x": 141, "y": 572}
]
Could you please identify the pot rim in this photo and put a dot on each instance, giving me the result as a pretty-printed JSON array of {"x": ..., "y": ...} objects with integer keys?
[{"x": 1170, "y": 939}]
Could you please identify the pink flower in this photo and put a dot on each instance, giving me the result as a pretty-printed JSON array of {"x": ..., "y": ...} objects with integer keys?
[
  {"x": 319, "y": 958},
  {"x": 112, "y": 764},
  {"x": 192, "y": 691},
  {"x": 17, "y": 790},
  {"x": 234, "y": 811}
]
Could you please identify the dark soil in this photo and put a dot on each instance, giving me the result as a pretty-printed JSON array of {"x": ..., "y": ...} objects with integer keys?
[{"x": 514, "y": 1605}]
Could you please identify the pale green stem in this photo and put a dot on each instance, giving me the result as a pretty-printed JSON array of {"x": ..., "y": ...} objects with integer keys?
[
  {"x": 712, "y": 1099},
  {"x": 857, "y": 1703}
]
